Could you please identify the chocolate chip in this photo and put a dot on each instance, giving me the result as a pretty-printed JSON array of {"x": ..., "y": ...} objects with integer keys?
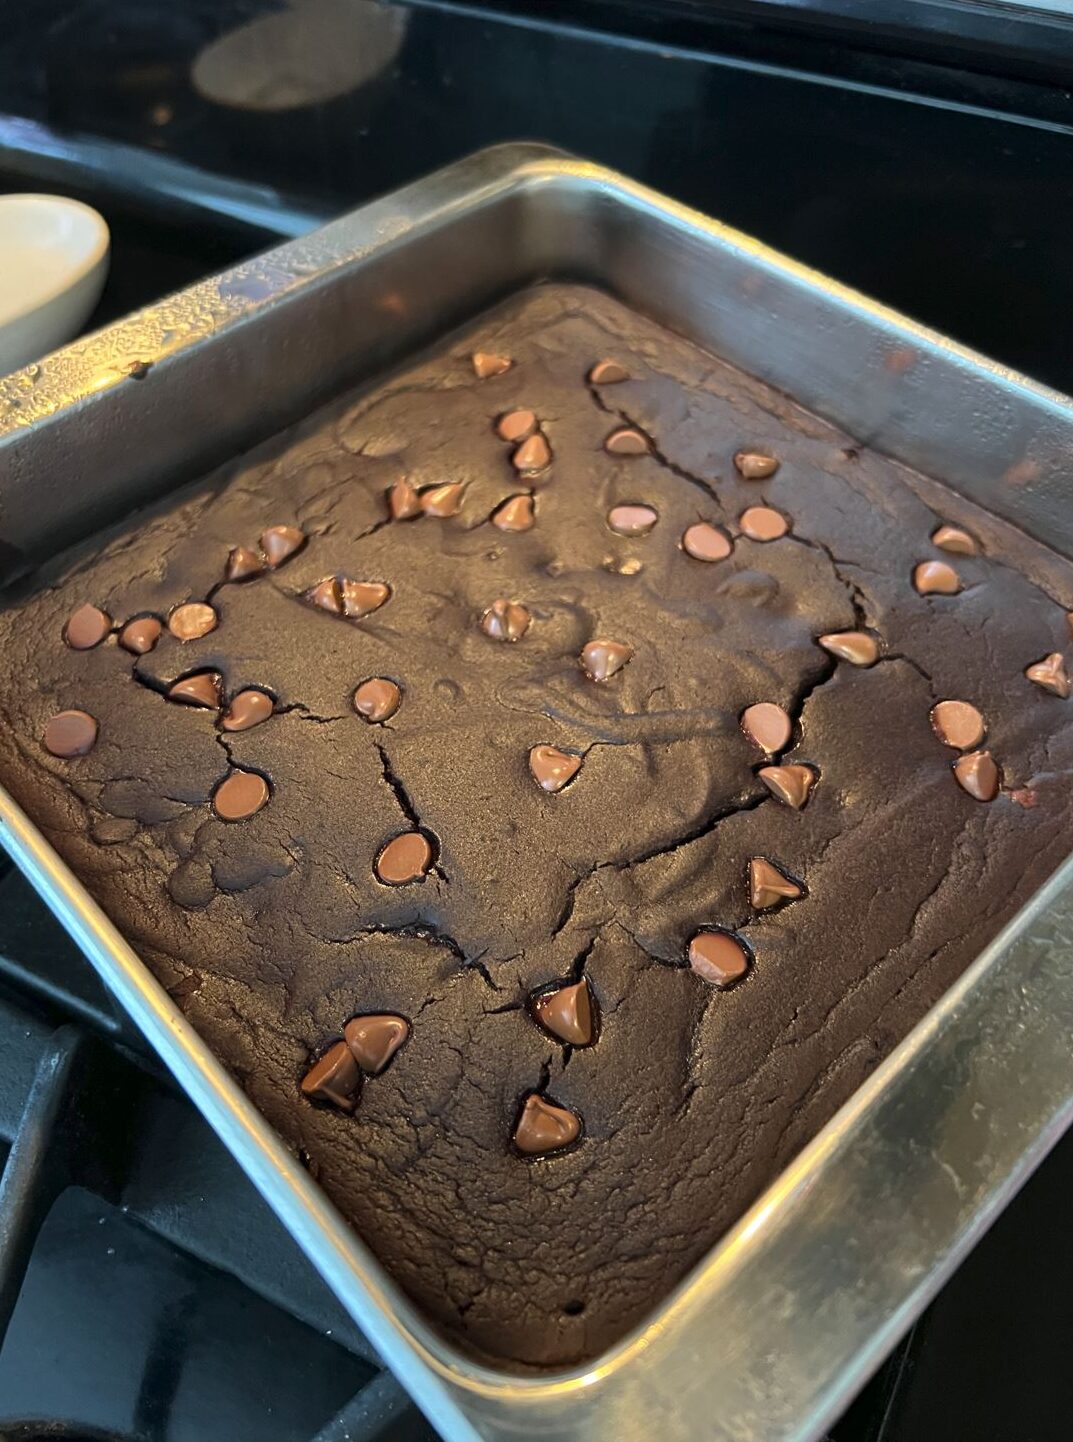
[
  {"x": 768, "y": 725},
  {"x": 856, "y": 647},
  {"x": 202, "y": 689},
  {"x": 957, "y": 724},
  {"x": 516, "y": 425},
  {"x": 978, "y": 775},
  {"x": 632, "y": 520},
  {"x": 769, "y": 887},
  {"x": 790, "y": 784},
  {"x": 87, "y": 627},
  {"x": 1050, "y": 673},
  {"x": 248, "y": 709},
  {"x": 552, "y": 769},
  {"x": 443, "y": 501},
  {"x": 608, "y": 373},
  {"x": 532, "y": 455},
  {"x": 544, "y": 1127},
  {"x": 718, "y": 958},
  {"x": 374, "y": 1040},
  {"x": 335, "y": 1078},
  {"x": 626, "y": 441},
  {"x": 936, "y": 578},
  {"x": 192, "y": 621},
  {"x": 326, "y": 595},
  {"x": 280, "y": 543},
  {"x": 70, "y": 733},
  {"x": 239, "y": 795},
  {"x": 515, "y": 514},
  {"x": 568, "y": 1012},
  {"x": 600, "y": 659},
  {"x": 705, "y": 542},
  {"x": 141, "y": 634},
  {"x": 505, "y": 620},
  {"x": 405, "y": 858},
  {"x": 242, "y": 564},
  {"x": 377, "y": 699},
  {"x": 955, "y": 540},
  {"x": 754, "y": 466},
  {"x": 403, "y": 501},
  {"x": 487, "y": 364},
  {"x": 361, "y": 598},
  {"x": 763, "y": 523}
]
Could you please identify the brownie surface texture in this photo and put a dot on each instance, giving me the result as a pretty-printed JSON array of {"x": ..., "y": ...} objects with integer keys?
[{"x": 523, "y": 1242}]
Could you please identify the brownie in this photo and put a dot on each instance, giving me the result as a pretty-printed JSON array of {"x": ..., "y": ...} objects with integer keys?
[{"x": 468, "y": 764}]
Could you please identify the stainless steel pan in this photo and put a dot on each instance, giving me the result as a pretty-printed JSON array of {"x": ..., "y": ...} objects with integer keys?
[{"x": 771, "y": 1335}]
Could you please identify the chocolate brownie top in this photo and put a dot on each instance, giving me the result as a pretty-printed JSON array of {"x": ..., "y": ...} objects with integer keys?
[{"x": 550, "y": 781}]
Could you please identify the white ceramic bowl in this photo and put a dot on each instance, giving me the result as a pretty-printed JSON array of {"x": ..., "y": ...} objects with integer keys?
[{"x": 53, "y": 261}]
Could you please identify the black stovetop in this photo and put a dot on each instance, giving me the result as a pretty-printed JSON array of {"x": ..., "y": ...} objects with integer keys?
[{"x": 148, "y": 1293}]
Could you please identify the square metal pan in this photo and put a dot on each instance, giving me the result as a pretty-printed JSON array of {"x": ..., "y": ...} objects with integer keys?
[{"x": 771, "y": 1335}]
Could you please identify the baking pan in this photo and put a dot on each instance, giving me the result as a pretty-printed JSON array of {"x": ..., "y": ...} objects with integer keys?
[{"x": 771, "y": 1335}]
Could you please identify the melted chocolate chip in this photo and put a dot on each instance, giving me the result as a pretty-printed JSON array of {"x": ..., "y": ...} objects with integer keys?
[
  {"x": 203, "y": 689},
  {"x": 856, "y": 647},
  {"x": 552, "y": 769},
  {"x": 377, "y": 699},
  {"x": 374, "y": 1040},
  {"x": 957, "y": 724},
  {"x": 516, "y": 426},
  {"x": 1050, "y": 673},
  {"x": 754, "y": 466},
  {"x": 326, "y": 595},
  {"x": 600, "y": 659},
  {"x": 954, "y": 540},
  {"x": 705, "y": 542},
  {"x": 70, "y": 733},
  {"x": 936, "y": 578},
  {"x": 87, "y": 627},
  {"x": 361, "y": 598},
  {"x": 141, "y": 634},
  {"x": 505, "y": 620},
  {"x": 192, "y": 621},
  {"x": 978, "y": 775},
  {"x": 568, "y": 1012},
  {"x": 768, "y": 725},
  {"x": 515, "y": 514},
  {"x": 608, "y": 373},
  {"x": 532, "y": 455},
  {"x": 334, "y": 1079},
  {"x": 239, "y": 795},
  {"x": 280, "y": 543},
  {"x": 405, "y": 858},
  {"x": 763, "y": 523},
  {"x": 789, "y": 784},
  {"x": 769, "y": 887},
  {"x": 486, "y": 364},
  {"x": 242, "y": 564},
  {"x": 632, "y": 520},
  {"x": 718, "y": 958},
  {"x": 545, "y": 1127},
  {"x": 248, "y": 709},
  {"x": 626, "y": 441},
  {"x": 443, "y": 501},
  {"x": 403, "y": 501}
]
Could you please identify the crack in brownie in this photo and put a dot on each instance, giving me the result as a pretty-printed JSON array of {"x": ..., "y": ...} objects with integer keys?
[{"x": 551, "y": 781}]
